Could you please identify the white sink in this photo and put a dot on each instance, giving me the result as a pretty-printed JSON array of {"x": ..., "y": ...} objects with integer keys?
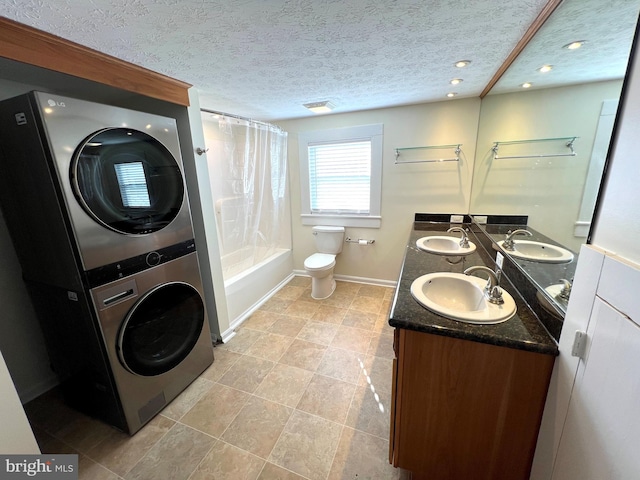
[
  {"x": 554, "y": 292},
  {"x": 460, "y": 297},
  {"x": 444, "y": 245},
  {"x": 539, "y": 252},
  {"x": 558, "y": 302}
]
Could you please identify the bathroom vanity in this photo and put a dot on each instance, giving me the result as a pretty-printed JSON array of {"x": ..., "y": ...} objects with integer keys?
[{"x": 467, "y": 399}]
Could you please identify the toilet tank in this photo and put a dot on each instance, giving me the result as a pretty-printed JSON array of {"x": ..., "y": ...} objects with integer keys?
[{"x": 328, "y": 239}]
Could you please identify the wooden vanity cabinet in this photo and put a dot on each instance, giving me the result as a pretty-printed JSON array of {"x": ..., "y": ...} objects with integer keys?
[{"x": 464, "y": 410}]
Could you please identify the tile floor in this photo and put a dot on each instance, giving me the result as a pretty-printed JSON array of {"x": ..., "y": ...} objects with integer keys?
[{"x": 301, "y": 392}]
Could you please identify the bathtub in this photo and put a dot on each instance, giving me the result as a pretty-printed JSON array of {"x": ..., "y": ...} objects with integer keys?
[{"x": 248, "y": 287}]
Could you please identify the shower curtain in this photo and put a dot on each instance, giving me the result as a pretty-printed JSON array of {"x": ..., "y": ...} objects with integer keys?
[{"x": 248, "y": 165}]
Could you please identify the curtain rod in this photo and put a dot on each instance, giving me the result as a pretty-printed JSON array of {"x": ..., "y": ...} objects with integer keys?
[{"x": 246, "y": 119}]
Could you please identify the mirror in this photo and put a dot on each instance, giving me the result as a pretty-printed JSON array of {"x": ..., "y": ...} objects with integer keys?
[{"x": 541, "y": 150}]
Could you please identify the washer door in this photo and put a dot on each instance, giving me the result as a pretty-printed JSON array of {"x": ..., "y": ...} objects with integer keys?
[
  {"x": 127, "y": 181},
  {"x": 161, "y": 329}
]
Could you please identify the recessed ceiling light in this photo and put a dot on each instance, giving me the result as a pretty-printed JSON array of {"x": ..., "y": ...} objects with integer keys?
[
  {"x": 451, "y": 94},
  {"x": 320, "y": 107},
  {"x": 455, "y": 81},
  {"x": 526, "y": 85},
  {"x": 574, "y": 45},
  {"x": 462, "y": 63},
  {"x": 545, "y": 68}
]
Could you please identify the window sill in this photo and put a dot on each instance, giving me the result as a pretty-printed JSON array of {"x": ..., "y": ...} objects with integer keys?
[{"x": 342, "y": 220}]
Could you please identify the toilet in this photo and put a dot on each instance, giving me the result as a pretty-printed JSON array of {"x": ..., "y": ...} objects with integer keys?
[{"x": 320, "y": 265}]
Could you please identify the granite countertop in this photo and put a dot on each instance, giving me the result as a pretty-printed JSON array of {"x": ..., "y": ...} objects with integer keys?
[{"x": 523, "y": 331}]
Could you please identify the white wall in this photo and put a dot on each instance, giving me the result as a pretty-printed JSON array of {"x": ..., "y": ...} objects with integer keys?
[
  {"x": 406, "y": 189},
  {"x": 617, "y": 228},
  {"x": 16, "y": 436},
  {"x": 548, "y": 190}
]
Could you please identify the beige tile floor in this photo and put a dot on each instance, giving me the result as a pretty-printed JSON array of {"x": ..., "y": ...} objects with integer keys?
[{"x": 301, "y": 392}]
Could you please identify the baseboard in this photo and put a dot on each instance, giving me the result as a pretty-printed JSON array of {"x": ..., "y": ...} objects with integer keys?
[
  {"x": 34, "y": 391},
  {"x": 581, "y": 229},
  {"x": 227, "y": 335},
  {"x": 354, "y": 279}
]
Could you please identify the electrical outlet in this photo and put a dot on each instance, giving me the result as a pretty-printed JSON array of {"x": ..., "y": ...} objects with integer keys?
[
  {"x": 480, "y": 218},
  {"x": 499, "y": 260},
  {"x": 457, "y": 218}
]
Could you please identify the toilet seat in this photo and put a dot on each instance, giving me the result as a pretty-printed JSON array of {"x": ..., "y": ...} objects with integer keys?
[{"x": 320, "y": 261}]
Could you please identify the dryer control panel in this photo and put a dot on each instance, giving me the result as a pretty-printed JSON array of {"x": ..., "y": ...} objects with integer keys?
[{"x": 115, "y": 271}]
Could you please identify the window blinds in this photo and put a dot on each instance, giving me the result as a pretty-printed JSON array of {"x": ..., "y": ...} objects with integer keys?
[
  {"x": 340, "y": 177},
  {"x": 133, "y": 185}
]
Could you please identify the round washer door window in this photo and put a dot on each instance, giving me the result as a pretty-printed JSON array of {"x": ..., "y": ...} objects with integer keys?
[
  {"x": 127, "y": 181},
  {"x": 161, "y": 329}
]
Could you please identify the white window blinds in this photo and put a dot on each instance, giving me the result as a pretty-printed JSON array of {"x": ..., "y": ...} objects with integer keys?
[
  {"x": 133, "y": 185},
  {"x": 340, "y": 177}
]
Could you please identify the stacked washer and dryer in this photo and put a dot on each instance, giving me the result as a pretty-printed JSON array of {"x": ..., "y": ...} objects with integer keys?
[{"x": 94, "y": 200}]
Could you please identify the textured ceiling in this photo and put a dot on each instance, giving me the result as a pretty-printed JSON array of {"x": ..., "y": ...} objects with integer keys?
[
  {"x": 263, "y": 59},
  {"x": 608, "y": 28}
]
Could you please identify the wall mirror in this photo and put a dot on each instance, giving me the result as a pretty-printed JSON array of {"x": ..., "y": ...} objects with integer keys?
[{"x": 541, "y": 150}]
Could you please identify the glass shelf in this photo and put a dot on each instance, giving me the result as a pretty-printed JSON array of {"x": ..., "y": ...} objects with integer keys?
[
  {"x": 568, "y": 142},
  {"x": 456, "y": 150}
]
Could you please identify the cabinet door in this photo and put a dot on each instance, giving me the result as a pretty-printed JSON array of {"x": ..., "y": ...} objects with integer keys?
[
  {"x": 464, "y": 409},
  {"x": 602, "y": 429}
]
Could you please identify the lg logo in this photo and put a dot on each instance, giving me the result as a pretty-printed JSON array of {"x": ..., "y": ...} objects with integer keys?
[{"x": 53, "y": 103}]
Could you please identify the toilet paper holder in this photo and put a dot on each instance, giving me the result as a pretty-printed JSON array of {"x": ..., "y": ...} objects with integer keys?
[{"x": 359, "y": 241}]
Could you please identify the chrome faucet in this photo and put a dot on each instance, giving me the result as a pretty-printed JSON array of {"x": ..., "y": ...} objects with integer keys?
[
  {"x": 566, "y": 289},
  {"x": 508, "y": 239},
  {"x": 492, "y": 290},
  {"x": 464, "y": 240}
]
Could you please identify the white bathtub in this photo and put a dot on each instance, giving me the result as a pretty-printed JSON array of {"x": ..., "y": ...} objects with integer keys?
[{"x": 251, "y": 287}]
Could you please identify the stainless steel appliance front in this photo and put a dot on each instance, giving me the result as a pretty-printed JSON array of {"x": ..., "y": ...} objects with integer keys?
[
  {"x": 156, "y": 335},
  {"x": 120, "y": 172}
]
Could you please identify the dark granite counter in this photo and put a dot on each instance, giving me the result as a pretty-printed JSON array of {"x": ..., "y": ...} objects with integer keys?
[{"x": 523, "y": 331}]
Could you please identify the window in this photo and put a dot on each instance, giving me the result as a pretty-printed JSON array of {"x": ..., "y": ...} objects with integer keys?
[
  {"x": 133, "y": 185},
  {"x": 341, "y": 176}
]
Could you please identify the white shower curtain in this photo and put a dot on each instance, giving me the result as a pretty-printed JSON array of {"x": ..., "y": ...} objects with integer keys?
[{"x": 248, "y": 165}]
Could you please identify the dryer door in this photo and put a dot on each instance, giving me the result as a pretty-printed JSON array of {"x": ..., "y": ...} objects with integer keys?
[
  {"x": 127, "y": 181},
  {"x": 161, "y": 329}
]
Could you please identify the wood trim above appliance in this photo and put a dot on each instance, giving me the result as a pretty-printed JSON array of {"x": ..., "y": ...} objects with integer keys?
[{"x": 31, "y": 46}]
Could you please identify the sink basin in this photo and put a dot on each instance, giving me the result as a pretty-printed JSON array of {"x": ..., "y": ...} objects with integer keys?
[
  {"x": 558, "y": 303},
  {"x": 460, "y": 297},
  {"x": 443, "y": 245},
  {"x": 539, "y": 252},
  {"x": 554, "y": 291}
]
